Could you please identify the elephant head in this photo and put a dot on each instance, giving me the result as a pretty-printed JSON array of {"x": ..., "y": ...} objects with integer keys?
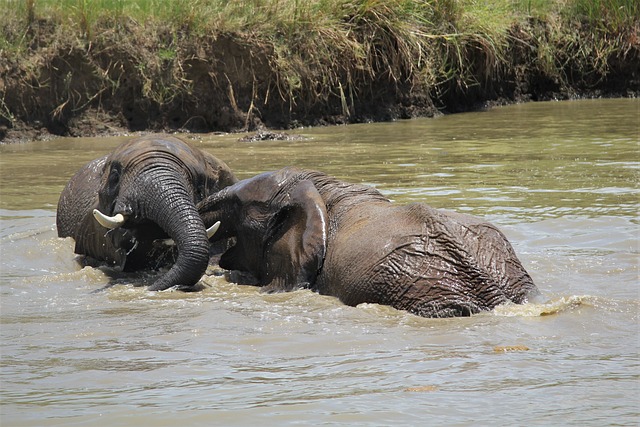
[
  {"x": 119, "y": 207},
  {"x": 296, "y": 228},
  {"x": 281, "y": 236}
]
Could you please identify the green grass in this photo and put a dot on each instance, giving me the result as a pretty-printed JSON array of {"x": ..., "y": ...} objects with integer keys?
[
  {"x": 282, "y": 16},
  {"x": 416, "y": 21}
]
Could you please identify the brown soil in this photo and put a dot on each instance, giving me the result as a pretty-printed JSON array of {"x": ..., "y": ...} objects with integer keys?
[{"x": 126, "y": 80}]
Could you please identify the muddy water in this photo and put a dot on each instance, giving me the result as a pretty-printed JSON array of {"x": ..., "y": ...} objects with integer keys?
[{"x": 561, "y": 180}]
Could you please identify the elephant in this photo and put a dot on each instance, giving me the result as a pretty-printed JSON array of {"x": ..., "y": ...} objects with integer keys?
[
  {"x": 297, "y": 228},
  {"x": 135, "y": 208}
]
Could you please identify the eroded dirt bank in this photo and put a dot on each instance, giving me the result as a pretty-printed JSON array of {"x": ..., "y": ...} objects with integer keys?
[{"x": 129, "y": 78}]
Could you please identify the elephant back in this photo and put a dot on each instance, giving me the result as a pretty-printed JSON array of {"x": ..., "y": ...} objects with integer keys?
[{"x": 482, "y": 253}]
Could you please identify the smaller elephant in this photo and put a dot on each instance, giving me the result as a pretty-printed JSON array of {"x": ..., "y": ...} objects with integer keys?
[
  {"x": 297, "y": 228},
  {"x": 136, "y": 208}
]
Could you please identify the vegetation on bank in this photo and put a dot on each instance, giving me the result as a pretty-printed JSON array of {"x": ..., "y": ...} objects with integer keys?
[{"x": 228, "y": 65}]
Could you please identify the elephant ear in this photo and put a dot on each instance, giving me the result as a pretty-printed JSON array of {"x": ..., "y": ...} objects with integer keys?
[{"x": 295, "y": 241}]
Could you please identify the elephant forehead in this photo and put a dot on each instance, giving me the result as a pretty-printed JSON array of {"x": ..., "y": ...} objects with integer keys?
[
  {"x": 260, "y": 188},
  {"x": 155, "y": 146}
]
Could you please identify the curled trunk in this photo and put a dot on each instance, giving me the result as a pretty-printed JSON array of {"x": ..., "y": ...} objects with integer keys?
[{"x": 171, "y": 206}]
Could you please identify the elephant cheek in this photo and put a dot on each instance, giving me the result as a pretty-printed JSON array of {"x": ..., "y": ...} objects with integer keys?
[{"x": 233, "y": 259}]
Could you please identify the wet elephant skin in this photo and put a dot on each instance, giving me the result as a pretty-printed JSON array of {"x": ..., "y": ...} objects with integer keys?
[
  {"x": 304, "y": 229},
  {"x": 154, "y": 183}
]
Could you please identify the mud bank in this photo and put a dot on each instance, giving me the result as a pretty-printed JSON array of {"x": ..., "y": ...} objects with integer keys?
[{"x": 128, "y": 77}]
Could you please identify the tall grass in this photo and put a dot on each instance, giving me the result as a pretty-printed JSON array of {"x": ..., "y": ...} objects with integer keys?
[
  {"x": 282, "y": 17},
  {"x": 278, "y": 15},
  {"x": 332, "y": 49},
  {"x": 608, "y": 14},
  {"x": 259, "y": 15}
]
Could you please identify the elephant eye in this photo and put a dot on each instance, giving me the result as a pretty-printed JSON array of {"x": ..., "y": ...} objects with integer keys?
[{"x": 114, "y": 177}]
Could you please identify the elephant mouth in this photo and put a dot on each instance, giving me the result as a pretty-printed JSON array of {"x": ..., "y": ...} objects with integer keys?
[
  {"x": 119, "y": 220},
  {"x": 142, "y": 245},
  {"x": 142, "y": 242}
]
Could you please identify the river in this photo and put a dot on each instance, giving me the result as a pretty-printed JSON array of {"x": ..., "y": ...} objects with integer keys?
[{"x": 559, "y": 178}]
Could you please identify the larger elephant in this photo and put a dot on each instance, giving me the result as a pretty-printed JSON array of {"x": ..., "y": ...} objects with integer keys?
[
  {"x": 304, "y": 229},
  {"x": 118, "y": 207}
]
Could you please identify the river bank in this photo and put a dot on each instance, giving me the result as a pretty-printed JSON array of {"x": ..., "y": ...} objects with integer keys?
[{"x": 88, "y": 70}]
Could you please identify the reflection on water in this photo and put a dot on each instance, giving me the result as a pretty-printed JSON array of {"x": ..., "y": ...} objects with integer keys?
[{"x": 560, "y": 179}]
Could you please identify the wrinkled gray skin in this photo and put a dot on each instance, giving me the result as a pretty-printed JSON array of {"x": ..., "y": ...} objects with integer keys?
[
  {"x": 155, "y": 183},
  {"x": 303, "y": 229}
]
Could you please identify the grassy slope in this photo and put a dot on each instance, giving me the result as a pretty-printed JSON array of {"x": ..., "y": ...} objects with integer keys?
[{"x": 221, "y": 65}]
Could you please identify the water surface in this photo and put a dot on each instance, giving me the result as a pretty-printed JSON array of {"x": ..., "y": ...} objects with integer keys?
[{"x": 560, "y": 179}]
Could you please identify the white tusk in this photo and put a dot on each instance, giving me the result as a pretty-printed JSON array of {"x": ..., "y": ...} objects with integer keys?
[
  {"x": 212, "y": 230},
  {"x": 110, "y": 222}
]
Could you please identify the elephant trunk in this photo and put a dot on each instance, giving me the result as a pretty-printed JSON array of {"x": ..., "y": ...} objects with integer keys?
[
  {"x": 215, "y": 209},
  {"x": 171, "y": 206}
]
